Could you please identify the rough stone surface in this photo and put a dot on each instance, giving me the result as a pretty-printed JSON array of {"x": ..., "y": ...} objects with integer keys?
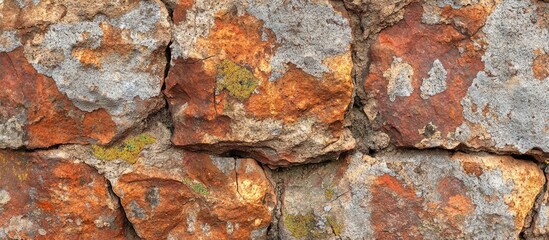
[
  {"x": 285, "y": 119},
  {"x": 271, "y": 79},
  {"x": 479, "y": 77},
  {"x": 539, "y": 218},
  {"x": 79, "y": 72},
  {"x": 409, "y": 195},
  {"x": 44, "y": 198},
  {"x": 169, "y": 193}
]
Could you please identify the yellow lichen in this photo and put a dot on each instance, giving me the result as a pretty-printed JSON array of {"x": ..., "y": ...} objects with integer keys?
[
  {"x": 335, "y": 225},
  {"x": 196, "y": 186},
  {"x": 238, "y": 81},
  {"x": 329, "y": 194},
  {"x": 299, "y": 225},
  {"x": 127, "y": 151}
]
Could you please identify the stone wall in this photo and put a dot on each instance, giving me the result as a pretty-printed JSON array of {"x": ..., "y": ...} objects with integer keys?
[{"x": 274, "y": 119}]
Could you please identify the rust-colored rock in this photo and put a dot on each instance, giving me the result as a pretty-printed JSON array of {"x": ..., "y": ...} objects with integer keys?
[
  {"x": 443, "y": 77},
  {"x": 169, "y": 193},
  {"x": 78, "y": 72},
  {"x": 270, "y": 79},
  {"x": 43, "y": 198},
  {"x": 409, "y": 195},
  {"x": 40, "y": 114},
  {"x": 541, "y": 67}
]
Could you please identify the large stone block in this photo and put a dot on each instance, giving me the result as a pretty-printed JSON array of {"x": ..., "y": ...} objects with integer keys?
[
  {"x": 409, "y": 195},
  {"x": 77, "y": 71},
  {"x": 465, "y": 73},
  {"x": 268, "y": 78}
]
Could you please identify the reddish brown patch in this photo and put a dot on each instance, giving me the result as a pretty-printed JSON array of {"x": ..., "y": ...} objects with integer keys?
[
  {"x": 51, "y": 121},
  {"x": 469, "y": 19},
  {"x": 180, "y": 10},
  {"x": 472, "y": 168},
  {"x": 543, "y": 13},
  {"x": 420, "y": 45},
  {"x": 397, "y": 212},
  {"x": 541, "y": 67},
  {"x": 190, "y": 87},
  {"x": 52, "y": 118},
  {"x": 65, "y": 198},
  {"x": 455, "y": 204}
]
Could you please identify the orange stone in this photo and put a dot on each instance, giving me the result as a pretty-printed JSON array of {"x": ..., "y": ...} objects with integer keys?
[
  {"x": 43, "y": 198},
  {"x": 50, "y": 117},
  {"x": 204, "y": 203}
]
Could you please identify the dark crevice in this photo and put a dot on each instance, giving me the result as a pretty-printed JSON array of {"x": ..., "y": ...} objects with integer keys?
[
  {"x": 334, "y": 231},
  {"x": 25, "y": 149},
  {"x": 524, "y": 157},
  {"x": 236, "y": 177},
  {"x": 130, "y": 232},
  {"x": 273, "y": 230},
  {"x": 168, "y": 53}
]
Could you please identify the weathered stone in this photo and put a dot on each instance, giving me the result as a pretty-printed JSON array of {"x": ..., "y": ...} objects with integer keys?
[
  {"x": 409, "y": 195},
  {"x": 43, "y": 198},
  {"x": 170, "y": 193},
  {"x": 539, "y": 217},
  {"x": 271, "y": 79},
  {"x": 79, "y": 72},
  {"x": 469, "y": 73}
]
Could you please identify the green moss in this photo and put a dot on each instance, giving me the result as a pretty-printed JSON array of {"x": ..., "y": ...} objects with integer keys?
[
  {"x": 196, "y": 186},
  {"x": 127, "y": 151},
  {"x": 335, "y": 225},
  {"x": 239, "y": 81},
  {"x": 299, "y": 225}
]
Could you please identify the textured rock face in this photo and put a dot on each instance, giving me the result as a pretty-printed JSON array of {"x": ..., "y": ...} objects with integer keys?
[
  {"x": 539, "y": 224},
  {"x": 43, "y": 198},
  {"x": 77, "y": 72},
  {"x": 285, "y": 119},
  {"x": 271, "y": 78},
  {"x": 169, "y": 193},
  {"x": 470, "y": 73},
  {"x": 409, "y": 195}
]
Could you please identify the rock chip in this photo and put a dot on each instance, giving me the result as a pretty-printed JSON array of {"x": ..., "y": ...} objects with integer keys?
[
  {"x": 409, "y": 195},
  {"x": 271, "y": 79},
  {"x": 79, "y": 72},
  {"x": 479, "y": 77},
  {"x": 45, "y": 198}
]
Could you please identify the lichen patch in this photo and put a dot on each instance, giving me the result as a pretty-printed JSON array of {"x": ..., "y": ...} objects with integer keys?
[
  {"x": 436, "y": 82},
  {"x": 400, "y": 79},
  {"x": 127, "y": 151},
  {"x": 237, "y": 80}
]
